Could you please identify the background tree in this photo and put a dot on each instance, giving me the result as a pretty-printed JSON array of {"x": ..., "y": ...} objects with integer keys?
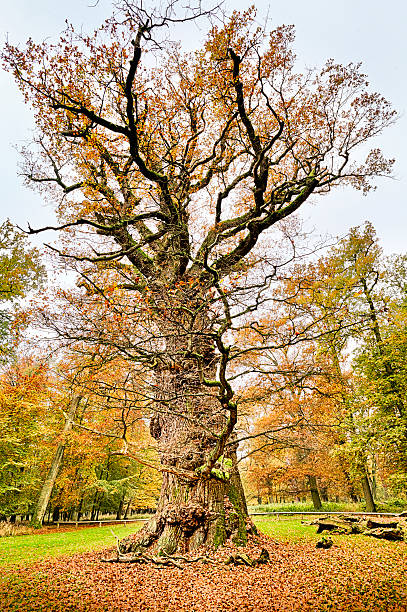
[
  {"x": 25, "y": 426},
  {"x": 380, "y": 371},
  {"x": 297, "y": 424},
  {"x": 21, "y": 271},
  {"x": 103, "y": 417},
  {"x": 349, "y": 302}
]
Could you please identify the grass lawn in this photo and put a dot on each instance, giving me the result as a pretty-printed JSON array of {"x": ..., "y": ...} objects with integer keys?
[
  {"x": 286, "y": 529},
  {"x": 391, "y": 505},
  {"x": 27, "y": 549}
]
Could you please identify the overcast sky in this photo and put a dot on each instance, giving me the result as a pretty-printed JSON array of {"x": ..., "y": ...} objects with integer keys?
[{"x": 370, "y": 31}]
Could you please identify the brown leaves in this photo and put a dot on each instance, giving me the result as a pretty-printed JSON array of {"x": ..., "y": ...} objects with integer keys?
[{"x": 349, "y": 576}]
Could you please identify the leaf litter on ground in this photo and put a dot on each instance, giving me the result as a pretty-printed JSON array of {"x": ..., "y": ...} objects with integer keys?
[{"x": 353, "y": 575}]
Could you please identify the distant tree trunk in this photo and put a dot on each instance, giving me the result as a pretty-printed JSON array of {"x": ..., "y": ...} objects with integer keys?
[
  {"x": 126, "y": 514},
  {"x": 313, "y": 487},
  {"x": 94, "y": 507},
  {"x": 373, "y": 477},
  {"x": 78, "y": 518},
  {"x": 120, "y": 508},
  {"x": 361, "y": 460},
  {"x": 350, "y": 486},
  {"x": 55, "y": 514},
  {"x": 46, "y": 491},
  {"x": 367, "y": 493}
]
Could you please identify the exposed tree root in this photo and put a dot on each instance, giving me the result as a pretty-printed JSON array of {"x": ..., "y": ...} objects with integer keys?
[
  {"x": 241, "y": 558},
  {"x": 163, "y": 560},
  {"x": 166, "y": 561},
  {"x": 140, "y": 558},
  {"x": 235, "y": 557}
]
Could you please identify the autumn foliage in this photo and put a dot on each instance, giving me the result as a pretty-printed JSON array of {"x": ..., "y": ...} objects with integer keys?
[{"x": 174, "y": 174}]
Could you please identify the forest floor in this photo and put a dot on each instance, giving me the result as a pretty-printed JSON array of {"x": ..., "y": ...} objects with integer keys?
[{"x": 357, "y": 574}]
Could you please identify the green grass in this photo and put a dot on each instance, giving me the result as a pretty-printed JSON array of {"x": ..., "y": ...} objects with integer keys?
[
  {"x": 27, "y": 549},
  {"x": 288, "y": 529},
  {"x": 307, "y": 507},
  {"x": 30, "y": 548},
  {"x": 392, "y": 505}
]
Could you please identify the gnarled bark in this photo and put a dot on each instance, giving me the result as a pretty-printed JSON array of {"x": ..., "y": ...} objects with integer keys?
[
  {"x": 191, "y": 514},
  {"x": 202, "y": 499}
]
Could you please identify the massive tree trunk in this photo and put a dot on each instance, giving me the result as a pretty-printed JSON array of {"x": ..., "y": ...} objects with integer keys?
[
  {"x": 193, "y": 508},
  {"x": 189, "y": 514},
  {"x": 202, "y": 499}
]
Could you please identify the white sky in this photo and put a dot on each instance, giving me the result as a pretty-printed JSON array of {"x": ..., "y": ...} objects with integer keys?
[{"x": 371, "y": 31}]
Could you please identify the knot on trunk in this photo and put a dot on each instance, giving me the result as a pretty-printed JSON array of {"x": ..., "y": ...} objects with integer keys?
[{"x": 187, "y": 516}]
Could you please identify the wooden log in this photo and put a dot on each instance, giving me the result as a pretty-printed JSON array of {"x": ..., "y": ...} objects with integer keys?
[
  {"x": 334, "y": 527},
  {"x": 350, "y": 519},
  {"x": 386, "y": 534},
  {"x": 381, "y": 523}
]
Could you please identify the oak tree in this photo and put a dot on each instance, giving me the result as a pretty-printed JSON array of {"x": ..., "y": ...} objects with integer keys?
[{"x": 171, "y": 169}]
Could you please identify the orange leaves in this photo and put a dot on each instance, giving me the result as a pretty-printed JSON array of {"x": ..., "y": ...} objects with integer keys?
[
  {"x": 183, "y": 120},
  {"x": 237, "y": 33}
]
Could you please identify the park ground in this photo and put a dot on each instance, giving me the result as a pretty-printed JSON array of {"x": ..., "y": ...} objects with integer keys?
[{"x": 62, "y": 571}]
